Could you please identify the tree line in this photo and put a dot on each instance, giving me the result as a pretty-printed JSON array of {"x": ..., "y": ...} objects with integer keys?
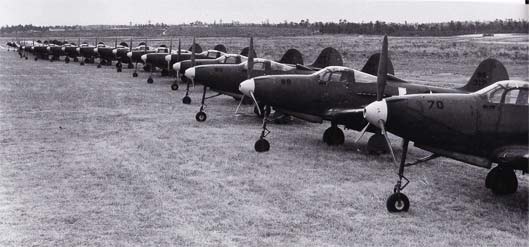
[{"x": 340, "y": 27}]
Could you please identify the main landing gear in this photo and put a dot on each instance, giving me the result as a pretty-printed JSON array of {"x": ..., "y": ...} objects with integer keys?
[
  {"x": 67, "y": 59},
  {"x": 333, "y": 135},
  {"x": 502, "y": 180},
  {"x": 262, "y": 145},
  {"x": 187, "y": 100},
  {"x": 201, "y": 115},
  {"x": 119, "y": 66},
  {"x": 135, "y": 73},
  {"x": 399, "y": 202},
  {"x": 151, "y": 70},
  {"x": 377, "y": 144}
]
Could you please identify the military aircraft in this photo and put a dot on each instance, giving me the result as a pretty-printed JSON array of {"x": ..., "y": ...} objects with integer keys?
[
  {"x": 480, "y": 128},
  {"x": 106, "y": 54},
  {"x": 336, "y": 93},
  {"x": 70, "y": 51},
  {"x": 40, "y": 50},
  {"x": 87, "y": 52},
  {"x": 164, "y": 60},
  {"x": 135, "y": 56},
  {"x": 55, "y": 52},
  {"x": 120, "y": 53},
  {"x": 225, "y": 78}
]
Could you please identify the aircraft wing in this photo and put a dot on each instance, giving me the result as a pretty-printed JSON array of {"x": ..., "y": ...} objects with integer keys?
[
  {"x": 515, "y": 154},
  {"x": 351, "y": 118}
]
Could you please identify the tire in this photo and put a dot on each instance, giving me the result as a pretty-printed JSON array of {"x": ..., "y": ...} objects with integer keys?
[
  {"x": 505, "y": 182},
  {"x": 397, "y": 203},
  {"x": 150, "y": 80},
  {"x": 174, "y": 86},
  {"x": 186, "y": 100},
  {"x": 135, "y": 74},
  {"x": 262, "y": 145},
  {"x": 201, "y": 116},
  {"x": 377, "y": 145},
  {"x": 335, "y": 136}
]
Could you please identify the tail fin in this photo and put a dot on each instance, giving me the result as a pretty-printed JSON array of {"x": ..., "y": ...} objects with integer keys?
[
  {"x": 371, "y": 66},
  {"x": 292, "y": 56},
  {"x": 124, "y": 44},
  {"x": 328, "y": 57},
  {"x": 488, "y": 72},
  {"x": 245, "y": 52},
  {"x": 220, "y": 47},
  {"x": 198, "y": 48}
]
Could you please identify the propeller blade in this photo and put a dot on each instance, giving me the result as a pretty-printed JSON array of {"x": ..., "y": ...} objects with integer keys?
[
  {"x": 255, "y": 102},
  {"x": 116, "y": 43},
  {"x": 170, "y": 52},
  {"x": 171, "y": 46},
  {"x": 250, "y": 59},
  {"x": 362, "y": 133},
  {"x": 385, "y": 133},
  {"x": 239, "y": 106},
  {"x": 382, "y": 72},
  {"x": 179, "y": 52},
  {"x": 193, "y": 53}
]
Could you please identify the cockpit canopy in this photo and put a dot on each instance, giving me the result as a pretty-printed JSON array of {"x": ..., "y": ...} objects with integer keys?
[
  {"x": 344, "y": 75},
  {"x": 261, "y": 64},
  {"x": 507, "y": 92},
  {"x": 213, "y": 54},
  {"x": 231, "y": 59}
]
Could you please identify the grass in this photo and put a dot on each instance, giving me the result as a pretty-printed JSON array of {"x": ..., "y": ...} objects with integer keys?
[{"x": 93, "y": 157}]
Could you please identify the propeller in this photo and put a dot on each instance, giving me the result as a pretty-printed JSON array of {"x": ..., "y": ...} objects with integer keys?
[
  {"x": 179, "y": 52},
  {"x": 193, "y": 57},
  {"x": 249, "y": 76},
  {"x": 170, "y": 52},
  {"x": 381, "y": 80},
  {"x": 116, "y": 43}
]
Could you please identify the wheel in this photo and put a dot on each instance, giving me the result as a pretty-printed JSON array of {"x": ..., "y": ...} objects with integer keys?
[
  {"x": 262, "y": 145},
  {"x": 134, "y": 74},
  {"x": 99, "y": 66},
  {"x": 333, "y": 136},
  {"x": 186, "y": 100},
  {"x": 201, "y": 116},
  {"x": 36, "y": 59},
  {"x": 150, "y": 80},
  {"x": 26, "y": 58},
  {"x": 81, "y": 63},
  {"x": 492, "y": 177},
  {"x": 118, "y": 69},
  {"x": 119, "y": 65},
  {"x": 66, "y": 60},
  {"x": 503, "y": 181},
  {"x": 174, "y": 86},
  {"x": 377, "y": 144},
  {"x": 397, "y": 203},
  {"x": 75, "y": 59},
  {"x": 130, "y": 66}
]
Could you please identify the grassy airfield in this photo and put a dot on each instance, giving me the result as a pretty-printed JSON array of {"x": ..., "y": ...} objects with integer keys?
[{"x": 94, "y": 157}]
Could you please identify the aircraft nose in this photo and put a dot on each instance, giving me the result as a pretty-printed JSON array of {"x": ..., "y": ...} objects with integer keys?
[
  {"x": 247, "y": 87},
  {"x": 48, "y": 48},
  {"x": 95, "y": 50},
  {"x": 177, "y": 66},
  {"x": 78, "y": 49},
  {"x": 376, "y": 112},
  {"x": 168, "y": 58},
  {"x": 190, "y": 73},
  {"x": 63, "y": 49},
  {"x": 144, "y": 58},
  {"x": 129, "y": 54},
  {"x": 115, "y": 51}
]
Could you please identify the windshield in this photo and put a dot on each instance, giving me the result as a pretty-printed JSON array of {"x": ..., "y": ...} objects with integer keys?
[{"x": 259, "y": 64}]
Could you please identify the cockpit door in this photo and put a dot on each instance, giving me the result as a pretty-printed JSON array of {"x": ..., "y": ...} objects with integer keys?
[{"x": 513, "y": 118}]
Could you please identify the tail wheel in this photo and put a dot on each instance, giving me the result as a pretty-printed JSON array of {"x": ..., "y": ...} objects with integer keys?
[{"x": 397, "y": 203}]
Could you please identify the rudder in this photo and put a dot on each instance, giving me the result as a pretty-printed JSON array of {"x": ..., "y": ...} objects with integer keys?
[
  {"x": 220, "y": 47},
  {"x": 371, "y": 66},
  {"x": 488, "y": 72},
  {"x": 292, "y": 56},
  {"x": 328, "y": 57}
]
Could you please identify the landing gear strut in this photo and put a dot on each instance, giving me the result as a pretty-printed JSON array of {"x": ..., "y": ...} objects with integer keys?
[
  {"x": 135, "y": 73},
  {"x": 119, "y": 66},
  {"x": 399, "y": 202},
  {"x": 187, "y": 100},
  {"x": 262, "y": 145},
  {"x": 201, "y": 115},
  {"x": 333, "y": 135},
  {"x": 150, "y": 80}
]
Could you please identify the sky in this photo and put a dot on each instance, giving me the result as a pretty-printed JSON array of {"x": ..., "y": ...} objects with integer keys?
[{"x": 73, "y": 12}]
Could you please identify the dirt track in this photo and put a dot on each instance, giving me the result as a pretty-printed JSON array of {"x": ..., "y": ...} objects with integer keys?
[{"x": 92, "y": 157}]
